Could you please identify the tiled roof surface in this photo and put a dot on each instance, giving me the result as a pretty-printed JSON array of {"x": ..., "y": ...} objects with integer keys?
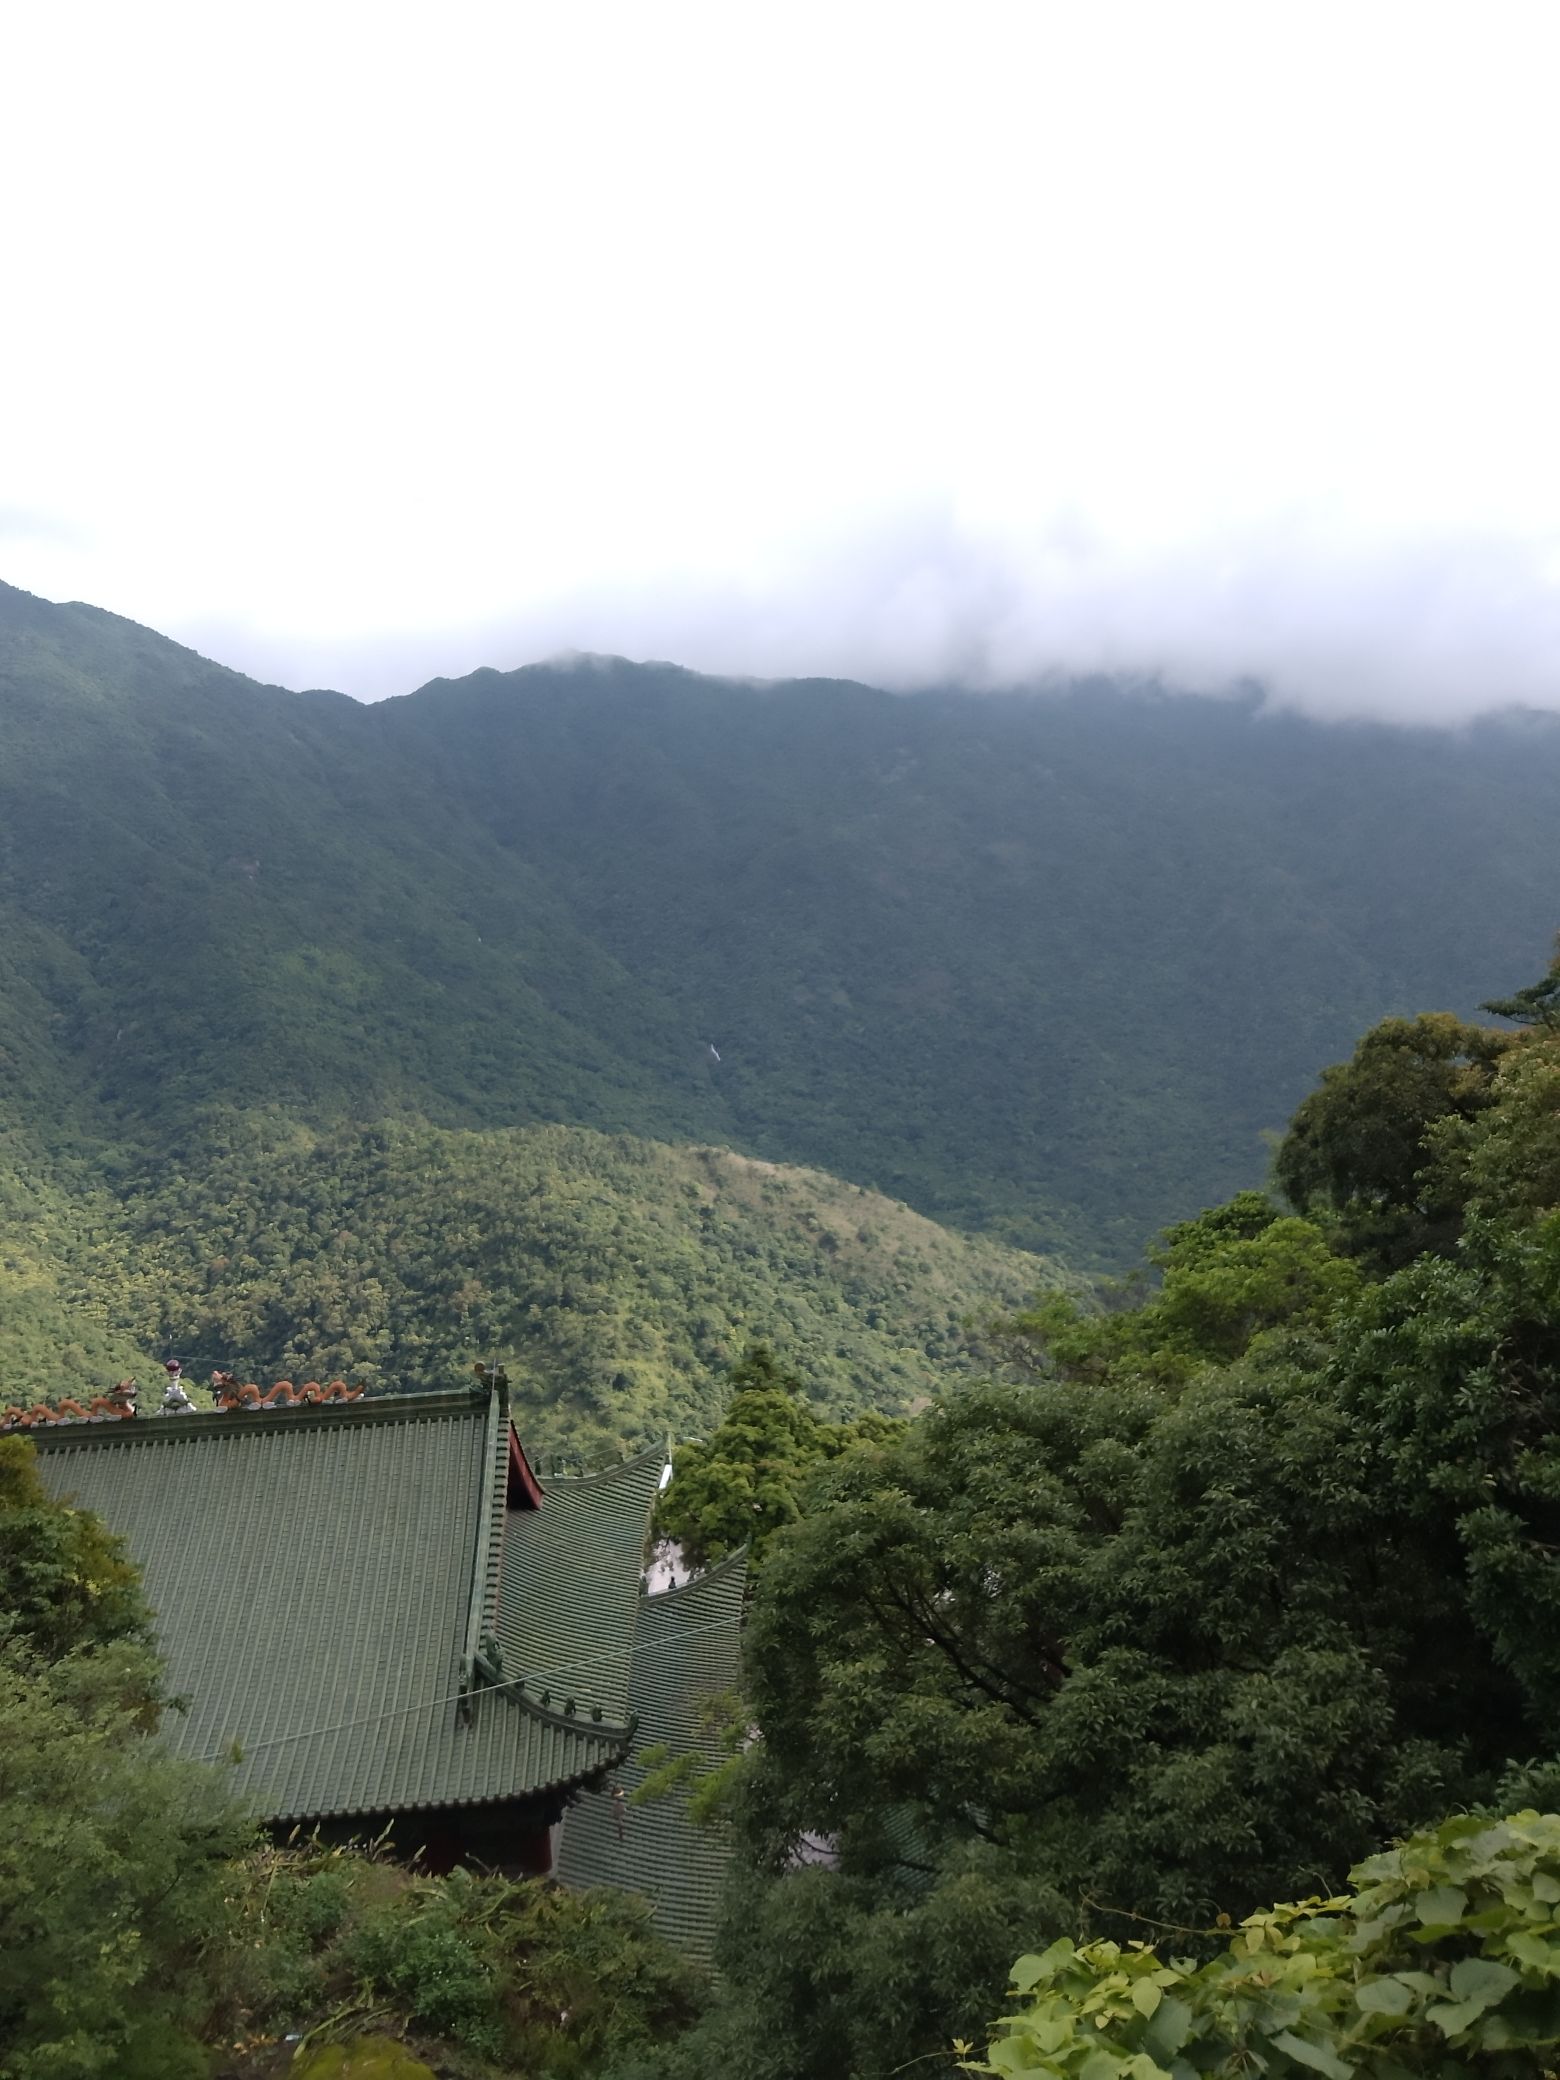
[
  {"x": 687, "y": 1651},
  {"x": 313, "y": 1577},
  {"x": 568, "y": 1590}
]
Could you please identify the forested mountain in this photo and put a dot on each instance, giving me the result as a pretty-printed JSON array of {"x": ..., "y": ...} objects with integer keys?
[
  {"x": 1047, "y": 964},
  {"x": 621, "y": 1277},
  {"x": 497, "y": 1020},
  {"x": 1054, "y": 964}
]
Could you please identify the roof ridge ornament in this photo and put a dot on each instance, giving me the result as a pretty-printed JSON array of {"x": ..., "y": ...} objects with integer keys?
[
  {"x": 119, "y": 1403},
  {"x": 116, "y": 1405},
  {"x": 231, "y": 1392}
]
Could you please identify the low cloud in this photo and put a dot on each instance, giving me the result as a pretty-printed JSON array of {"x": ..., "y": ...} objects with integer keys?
[
  {"x": 1431, "y": 630},
  {"x": 971, "y": 347}
]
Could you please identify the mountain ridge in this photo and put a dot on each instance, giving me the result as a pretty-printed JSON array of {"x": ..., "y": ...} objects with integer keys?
[{"x": 1049, "y": 964}]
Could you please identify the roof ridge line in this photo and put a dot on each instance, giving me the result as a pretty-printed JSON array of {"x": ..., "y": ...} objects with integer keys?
[
  {"x": 727, "y": 1564},
  {"x": 605, "y": 1473},
  {"x": 487, "y": 1553},
  {"x": 153, "y": 1428}
]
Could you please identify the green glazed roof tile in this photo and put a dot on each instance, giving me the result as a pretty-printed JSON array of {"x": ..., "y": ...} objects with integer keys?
[
  {"x": 568, "y": 1591},
  {"x": 687, "y": 1652},
  {"x": 314, "y": 1576}
]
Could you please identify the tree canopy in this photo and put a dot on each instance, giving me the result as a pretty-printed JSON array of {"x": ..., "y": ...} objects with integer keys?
[
  {"x": 620, "y": 1278},
  {"x": 1230, "y": 1281},
  {"x": 1536, "y": 1005},
  {"x": 1236, "y": 1580},
  {"x": 65, "y": 1582},
  {"x": 112, "y": 1856},
  {"x": 750, "y": 1477},
  {"x": 1362, "y": 1147}
]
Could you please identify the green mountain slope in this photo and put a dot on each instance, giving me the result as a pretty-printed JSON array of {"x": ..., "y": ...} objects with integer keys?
[
  {"x": 622, "y": 1276},
  {"x": 1056, "y": 963},
  {"x": 215, "y": 892},
  {"x": 1046, "y": 965}
]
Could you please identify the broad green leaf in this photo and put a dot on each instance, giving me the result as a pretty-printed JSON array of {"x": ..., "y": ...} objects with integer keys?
[
  {"x": 1538, "y": 1953},
  {"x": 1051, "y": 2031},
  {"x": 1383, "y": 1997},
  {"x": 1496, "y": 2033},
  {"x": 1442, "y": 1906},
  {"x": 1488, "y": 1921},
  {"x": 1034, "y": 1971},
  {"x": 1170, "y": 2028},
  {"x": 1101, "y": 2065},
  {"x": 1481, "y": 1979},
  {"x": 1017, "y": 2057},
  {"x": 1317, "y": 2056},
  {"x": 1374, "y": 1869},
  {"x": 1419, "y": 1982},
  {"x": 1146, "y": 1996},
  {"x": 1453, "y": 2017}
]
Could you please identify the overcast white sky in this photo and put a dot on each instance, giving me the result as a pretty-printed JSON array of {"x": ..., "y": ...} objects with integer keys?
[{"x": 357, "y": 343}]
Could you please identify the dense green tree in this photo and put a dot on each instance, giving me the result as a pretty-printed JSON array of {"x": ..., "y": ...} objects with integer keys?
[
  {"x": 1503, "y": 1164},
  {"x": 1195, "y": 1583},
  {"x": 1452, "y": 1379},
  {"x": 114, "y": 1867},
  {"x": 745, "y": 1482},
  {"x": 112, "y": 1857},
  {"x": 1538, "y": 1004},
  {"x": 1233, "y": 1280},
  {"x": 1242, "y": 1582},
  {"x": 750, "y": 1476},
  {"x": 1362, "y": 1147},
  {"x": 838, "y": 1976},
  {"x": 65, "y": 1582}
]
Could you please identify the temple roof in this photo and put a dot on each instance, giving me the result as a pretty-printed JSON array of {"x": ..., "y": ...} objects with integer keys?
[
  {"x": 569, "y": 1584},
  {"x": 687, "y": 1656},
  {"x": 327, "y": 1583}
]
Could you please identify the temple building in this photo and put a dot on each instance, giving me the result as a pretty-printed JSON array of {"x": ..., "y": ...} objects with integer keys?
[{"x": 387, "y": 1624}]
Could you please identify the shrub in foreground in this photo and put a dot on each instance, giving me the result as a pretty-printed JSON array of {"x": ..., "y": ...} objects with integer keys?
[{"x": 1445, "y": 1959}]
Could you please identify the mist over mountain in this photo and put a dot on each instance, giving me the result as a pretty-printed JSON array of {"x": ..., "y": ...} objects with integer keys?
[{"x": 1046, "y": 965}]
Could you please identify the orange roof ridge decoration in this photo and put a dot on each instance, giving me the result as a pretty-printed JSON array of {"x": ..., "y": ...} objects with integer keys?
[
  {"x": 119, "y": 1404},
  {"x": 102, "y": 1408},
  {"x": 233, "y": 1393}
]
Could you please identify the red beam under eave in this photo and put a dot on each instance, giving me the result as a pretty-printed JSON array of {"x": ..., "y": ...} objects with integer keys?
[{"x": 524, "y": 1491}]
